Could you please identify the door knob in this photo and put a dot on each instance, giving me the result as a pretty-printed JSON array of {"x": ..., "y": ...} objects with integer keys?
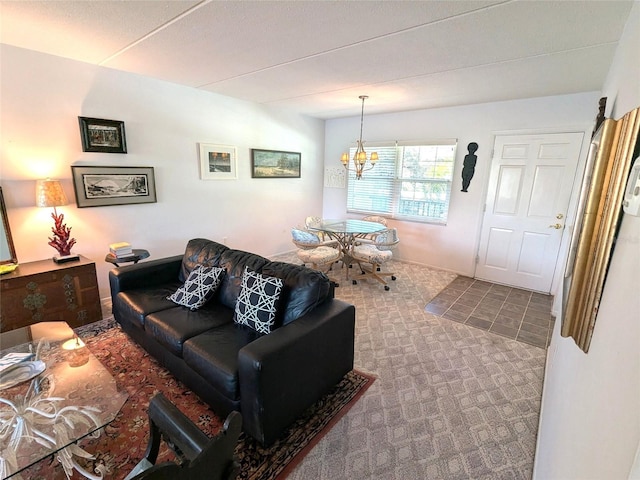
[
  {"x": 559, "y": 216},
  {"x": 557, "y": 226}
]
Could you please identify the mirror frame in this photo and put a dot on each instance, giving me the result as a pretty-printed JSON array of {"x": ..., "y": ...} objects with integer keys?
[
  {"x": 7, "y": 233},
  {"x": 601, "y": 215}
]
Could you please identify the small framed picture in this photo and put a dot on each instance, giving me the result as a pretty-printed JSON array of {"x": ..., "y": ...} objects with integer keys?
[
  {"x": 100, "y": 135},
  {"x": 217, "y": 162},
  {"x": 104, "y": 186},
  {"x": 274, "y": 164}
]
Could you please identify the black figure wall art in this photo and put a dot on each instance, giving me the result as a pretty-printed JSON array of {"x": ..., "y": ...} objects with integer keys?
[{"x": 469, "y": 166}]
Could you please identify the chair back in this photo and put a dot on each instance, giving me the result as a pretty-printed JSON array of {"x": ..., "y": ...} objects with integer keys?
[
  {"x": 375, "y": 218},
  {"x": 310, "y": 221},
  {"x": 387, "y": 239},
  {"x": 197, "y": 455}
]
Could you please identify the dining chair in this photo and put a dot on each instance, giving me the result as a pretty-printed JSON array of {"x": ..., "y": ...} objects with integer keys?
[
  {"x": 375, "y": 254},
  {"x": 312, "y": 220},
  {"x": 375, "y": 218},
  {"x": 311, "y": 250}
]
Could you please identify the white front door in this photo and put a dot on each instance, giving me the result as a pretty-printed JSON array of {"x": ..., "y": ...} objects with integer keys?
[{"x": 529, "y": 189}]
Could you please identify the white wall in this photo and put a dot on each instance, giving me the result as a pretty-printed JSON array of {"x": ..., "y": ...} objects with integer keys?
[
  {"x": 590, "y": 421},
  {"x": 454, "y": 246},
  {"x": 43, "y": 95}
]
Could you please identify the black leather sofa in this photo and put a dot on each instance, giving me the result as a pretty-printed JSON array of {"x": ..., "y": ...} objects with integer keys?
[{"x": 270, "y": 378}]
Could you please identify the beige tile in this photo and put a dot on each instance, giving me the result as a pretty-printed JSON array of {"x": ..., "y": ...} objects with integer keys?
[
  {"x": 510, "y": 312},
  {"x": 507, "y": 322},
  {"x": 453, "y": 315},
  {"x": 532, "y": 339},
  {"x": 504, "y": 330},
  {"x": 475, "y": 321},
  {"x": 536, "y": 329}
]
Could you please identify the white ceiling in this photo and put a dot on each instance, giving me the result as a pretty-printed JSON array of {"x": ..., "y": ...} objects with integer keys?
[{"x": 317, "y": 57}]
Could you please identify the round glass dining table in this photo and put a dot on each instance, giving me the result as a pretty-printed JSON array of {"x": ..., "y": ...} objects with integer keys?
[{"x": 346, "y": 232}]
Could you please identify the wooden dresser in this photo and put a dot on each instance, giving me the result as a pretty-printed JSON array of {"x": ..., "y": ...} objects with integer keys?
[{"x": 45, "y": 291}]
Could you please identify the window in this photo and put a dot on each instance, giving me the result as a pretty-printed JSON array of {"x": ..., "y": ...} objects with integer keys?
[{"x": 410, "y": 182}]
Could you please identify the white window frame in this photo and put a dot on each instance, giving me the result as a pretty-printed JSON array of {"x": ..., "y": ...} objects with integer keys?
[{"x": 369, "y": 198}]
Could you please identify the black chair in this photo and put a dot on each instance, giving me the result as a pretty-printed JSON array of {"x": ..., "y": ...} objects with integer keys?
[{"x": 198, "y": 456}]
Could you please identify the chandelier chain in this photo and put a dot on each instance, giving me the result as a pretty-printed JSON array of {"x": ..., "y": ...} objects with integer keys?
[{"x": 360, "y": 156}]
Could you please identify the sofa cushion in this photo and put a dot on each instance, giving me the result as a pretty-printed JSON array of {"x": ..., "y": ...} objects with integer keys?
[
  {"x": 199, "y": 287},
  {"x": 135, "y": 305},
  {"x": 174, "y": 326},
  {"x": 200, "y": 251},
  {"x": 214, "y": 356},
  {"x": 303, "y": 289},
  {"x": 258, "y": 301},
  {"x": 234, "y": 262}
]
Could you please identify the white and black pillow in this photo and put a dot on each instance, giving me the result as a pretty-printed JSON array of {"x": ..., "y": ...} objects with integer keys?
[
  {"x": 199, "y": 287},
  {"x": 258, "y": 301}
]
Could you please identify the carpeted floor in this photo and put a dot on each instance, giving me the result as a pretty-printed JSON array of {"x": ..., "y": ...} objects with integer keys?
[
  {"x": 122, "y": 444},
  {"x": 450, "y": 401}
]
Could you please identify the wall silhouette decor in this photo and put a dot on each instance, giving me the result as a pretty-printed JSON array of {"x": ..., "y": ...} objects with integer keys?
[{"x": 469, "y": 166}]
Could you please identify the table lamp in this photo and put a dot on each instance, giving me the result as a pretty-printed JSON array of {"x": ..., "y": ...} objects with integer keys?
[{"x": 49, "y": 193}]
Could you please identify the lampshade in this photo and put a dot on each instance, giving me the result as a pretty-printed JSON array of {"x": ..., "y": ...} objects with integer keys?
[{"x": 49, "y": 193}]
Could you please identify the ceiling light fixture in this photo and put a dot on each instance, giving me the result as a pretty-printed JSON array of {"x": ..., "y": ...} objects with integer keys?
[{"x": 360, "y": 156}]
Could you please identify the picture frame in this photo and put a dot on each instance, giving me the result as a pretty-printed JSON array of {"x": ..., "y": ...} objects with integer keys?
[
  {"x": 275, "y": 164},
  {"x": 100, "y": 135},
  {"x": 106, "y": 186},
  {"x": 217, "y": 162}
]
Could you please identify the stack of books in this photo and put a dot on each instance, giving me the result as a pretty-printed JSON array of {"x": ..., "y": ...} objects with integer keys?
[{"x": 121, "y": 249}]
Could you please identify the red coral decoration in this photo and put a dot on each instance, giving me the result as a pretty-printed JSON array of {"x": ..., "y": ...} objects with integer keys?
[{"x": 61, "y": 241}]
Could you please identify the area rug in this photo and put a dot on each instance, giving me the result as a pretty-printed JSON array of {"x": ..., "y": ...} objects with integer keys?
[{"x": 122, "y": 444}]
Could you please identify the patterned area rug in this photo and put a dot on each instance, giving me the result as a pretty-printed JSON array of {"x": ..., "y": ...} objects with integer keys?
[{"x": 123, "y": 442}]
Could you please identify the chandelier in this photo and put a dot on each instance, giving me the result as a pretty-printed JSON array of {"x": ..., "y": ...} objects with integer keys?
[{"x": 360, "y": 156}]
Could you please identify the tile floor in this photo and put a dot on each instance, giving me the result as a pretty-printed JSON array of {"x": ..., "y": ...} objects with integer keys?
[{"x": 511, "y": 312}]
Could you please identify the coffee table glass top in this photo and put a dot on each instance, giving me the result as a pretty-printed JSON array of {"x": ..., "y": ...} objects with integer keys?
[{"x": 73, "y": 397}]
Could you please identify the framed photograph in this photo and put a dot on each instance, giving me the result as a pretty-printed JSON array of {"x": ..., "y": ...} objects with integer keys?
[
  {"x": 274, "y": 164},
  {"x": 217, "y": 162},
  {"x": 100, "y": 135},
  {"x": 103, "y": 186}
]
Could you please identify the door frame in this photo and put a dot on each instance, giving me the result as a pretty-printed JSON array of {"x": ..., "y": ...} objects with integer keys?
[{"x": 563, "y": 252}]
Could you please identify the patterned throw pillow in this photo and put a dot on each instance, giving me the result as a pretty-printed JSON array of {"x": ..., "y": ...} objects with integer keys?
[
  {"x": 199, "y": 287},
  {"x": 258, "y": 301}
]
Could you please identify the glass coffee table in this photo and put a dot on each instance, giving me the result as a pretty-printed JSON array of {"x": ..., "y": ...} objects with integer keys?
[{"x": 58, "y": 394}]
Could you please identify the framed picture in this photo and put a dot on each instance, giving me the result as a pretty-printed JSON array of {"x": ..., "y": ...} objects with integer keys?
[
  {"x": 100, "y": 135},
  {"x": 103, "y": 186},
  {"x": 274, "y": 164},
  {"x": 217, "y": 162}
]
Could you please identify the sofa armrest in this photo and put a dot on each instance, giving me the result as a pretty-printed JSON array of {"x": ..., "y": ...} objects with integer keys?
[
  {"x": 283, "y": 373},
  {"x": 147, "y": 274}
]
